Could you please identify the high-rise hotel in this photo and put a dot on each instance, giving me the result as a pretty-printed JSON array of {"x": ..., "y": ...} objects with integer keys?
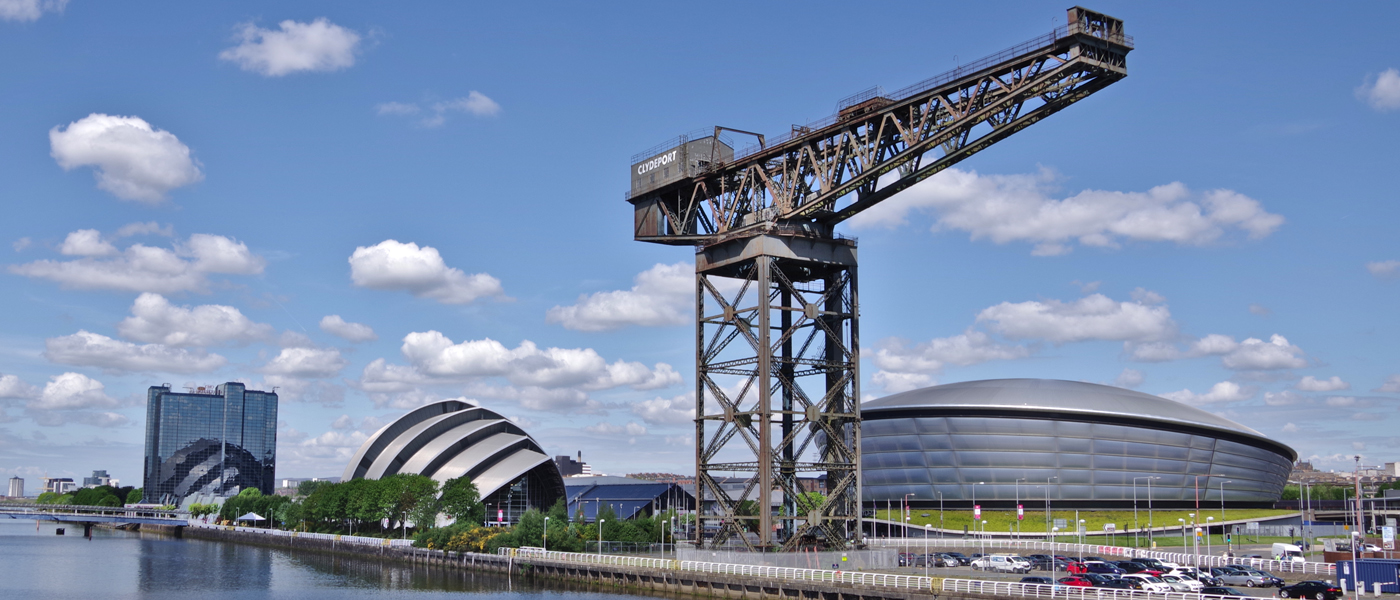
[{"x": 209, "y": 441}]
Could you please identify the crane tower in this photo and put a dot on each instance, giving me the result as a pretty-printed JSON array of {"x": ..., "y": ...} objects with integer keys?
[{"x": 777, "y": 344}]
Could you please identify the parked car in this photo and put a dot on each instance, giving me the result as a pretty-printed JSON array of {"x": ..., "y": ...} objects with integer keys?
[
  {"x": 944, "y": 559},
  {"x": 1116, "y": 583},
  {"x": 1099, "y": 578},
  {"x": 1313, "y": 590},
  {"x": 1182, "y": 584},
  {"x": 1038, "y": 580},
  {"x": 1076, "y": 581},
  {"x": 1249, "y": 578},
  {"x": 1002, "y": 564},
  {"x": 1075, "y": 567},
  {"x": 963, "y": 559},
  {"x": 1223, "y": 591},
  {"x": 1129, "y": 566},
  {"x": 1148, "y": 582},
  {"x": 1095, "y": 566},
  {"x": 1164, "y": 567}
]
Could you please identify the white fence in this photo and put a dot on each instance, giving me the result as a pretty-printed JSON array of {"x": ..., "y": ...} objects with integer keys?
[
  {"x": 1035, "y": 590},
  {"x": 1197, "y": 560},
  {"x": 344, "y": 539}
]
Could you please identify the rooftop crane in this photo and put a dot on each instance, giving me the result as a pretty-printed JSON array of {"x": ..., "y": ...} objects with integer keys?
[{"x": 777, "y": 337}]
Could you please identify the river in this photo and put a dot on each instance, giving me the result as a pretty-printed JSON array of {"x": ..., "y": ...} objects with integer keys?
[{"x": 117, "y": 565}]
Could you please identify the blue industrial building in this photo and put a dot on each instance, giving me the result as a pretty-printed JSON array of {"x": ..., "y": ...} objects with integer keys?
[{"x": 628, "y": 498}]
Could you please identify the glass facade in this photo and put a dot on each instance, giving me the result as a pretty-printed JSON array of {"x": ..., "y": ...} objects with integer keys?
[{"x": 215, "y": 442}]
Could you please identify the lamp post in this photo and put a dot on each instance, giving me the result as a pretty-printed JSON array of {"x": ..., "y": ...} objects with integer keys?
[
  {"x": 1136, "y": 527},
  {"x": 546, "y": 534},
  {"x": 1053, "y": 534},
  {"x": 1150, "y": 537},
  {"x": 1222, "y": 499},
  {"x": 926, "y": 558},
  {"x": 1048, "y": 519},
  {"x": 1195, "y": 539},
  {"x": 1183, "y": 535},
  {"x": 1081, "y": 531},
  {"x": 984, "y": 537},
  {"x": 1208, "y": 520},
  {"x": 600, "y": 536},
  {"x": 906, "y": 514},
  {"x": 976, "y": 510},
  {"x": 1018, "y": 507},
  {"x": 1356, "y": 572},
  {"x": 941, "y": 529}
]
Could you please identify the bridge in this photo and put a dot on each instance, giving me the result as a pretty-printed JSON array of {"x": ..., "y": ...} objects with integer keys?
[{"x": 90, "y": 515}]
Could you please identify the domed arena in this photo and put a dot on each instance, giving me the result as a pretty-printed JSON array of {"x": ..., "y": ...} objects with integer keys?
[
  {"x": 449, "y": 439},
  {"x": 1070, "y": 443}
]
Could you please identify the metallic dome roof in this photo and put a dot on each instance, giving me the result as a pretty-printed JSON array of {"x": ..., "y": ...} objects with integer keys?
[{"x": 1059, "y": 397}]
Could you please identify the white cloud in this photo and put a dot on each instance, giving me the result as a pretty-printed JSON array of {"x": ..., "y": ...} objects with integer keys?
[
  {"x": 1284, "y": 398},
  {"x": 154, "y": 319},
  {"x": 529, "y": 366},
  {"x": 139, "y": 268},
  {"x": 677, "y": 410},
  {"x": 1391, "y": 385},
  {"x": 1019, "y": 208},
  {"x": 380, "y": 377},
  {"x": 354, "y": 332},
  {"x": 1225, "y": 391},
  {"x": 1384, "y": 269},
  {"x": 967, "y": 348},
  {"x": 1129, "y": 378},
  {"x": 1290, "y": 428},
  {"x": 1313, "y": 384},
  {"x": 316, "y": 46},
  {"x": 95, "y": 350},
  {"x": 1256, "y": 354},
  {"x": 1341, "y": 401},
  {"x": 1381, "y": 92},
  {"x": 474, "y": 103},
  {"x": 1146, "y": 296},
  {"x": 86, "y": 242},
  {"x": 663, "y": 295},
  {"x": 1094, "y": 317},
  {"x": 134, "y": 161},
  {"x": 14, "y": 387},
  {"x": 28, "y": 10},
  {"x": 343, "y": 422},
  {"x": 146, "y": 228},
  {"x": 895, "y": 383},
  {"x": 20, "y": 244},
  {"x": 73, "y": 391},
  {"x": 559, "y": 400},
  {"x": 390, "y": 265},
  {"x": 612, "y": 429},
  {"x": 1259, "y": 309},
  {"x": 306, "y": 363}
]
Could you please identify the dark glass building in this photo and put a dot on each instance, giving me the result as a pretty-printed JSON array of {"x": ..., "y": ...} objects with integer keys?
[{"x": 206, "y": 441}]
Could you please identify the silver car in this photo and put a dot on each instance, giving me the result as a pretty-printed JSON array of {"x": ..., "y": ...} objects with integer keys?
[{"x": 1245, "y": 578}]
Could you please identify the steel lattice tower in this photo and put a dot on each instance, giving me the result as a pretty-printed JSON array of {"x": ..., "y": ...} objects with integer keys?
[{"x": 777, "y": 336}]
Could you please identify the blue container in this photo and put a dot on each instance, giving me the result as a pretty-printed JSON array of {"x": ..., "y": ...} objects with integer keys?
[{"x": 1370, "y": 571}]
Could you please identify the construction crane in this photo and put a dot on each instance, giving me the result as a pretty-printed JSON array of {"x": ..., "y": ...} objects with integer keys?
[{"x": 777, "y": 376}]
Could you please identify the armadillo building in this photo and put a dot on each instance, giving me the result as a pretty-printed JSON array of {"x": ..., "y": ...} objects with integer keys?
[
  {"x": 1071, "y": 443},
  {"x": 448, "y": 439}
]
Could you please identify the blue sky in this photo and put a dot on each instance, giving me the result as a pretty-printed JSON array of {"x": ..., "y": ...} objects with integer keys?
[{"x": 372, "y": 206}]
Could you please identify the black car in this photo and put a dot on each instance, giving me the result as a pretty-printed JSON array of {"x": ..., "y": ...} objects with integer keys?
[
  {"x": 1038, "y": 580},
  {"x": 1222, "y": 591},
  {"x": 1099, "y": 578},
  {"x": 963, "y": 559},
  {"x": 1313, "y": 590},
  {"x": 1119, "y": 584},
  {"x": 944, "y": 559}
]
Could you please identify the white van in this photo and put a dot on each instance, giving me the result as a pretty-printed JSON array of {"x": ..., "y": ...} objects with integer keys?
[{"x": 1288, "y": 553}]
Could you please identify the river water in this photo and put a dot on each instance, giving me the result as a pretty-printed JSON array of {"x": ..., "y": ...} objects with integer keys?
[{"x": 117, "y": 565}]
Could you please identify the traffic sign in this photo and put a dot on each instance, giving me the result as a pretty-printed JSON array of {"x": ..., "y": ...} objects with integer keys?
[{"x": 1020, "y": 513}]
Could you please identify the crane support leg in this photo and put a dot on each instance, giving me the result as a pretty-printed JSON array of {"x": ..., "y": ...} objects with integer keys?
[{"x": 777, "y": 389}]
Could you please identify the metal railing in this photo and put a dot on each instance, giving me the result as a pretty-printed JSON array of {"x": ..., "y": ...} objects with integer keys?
[
  {"x": 101, "y": 511},
  {"x": 345, "y": 539},
  {"x": 1040, "y": 590},
  {"x": 1180, "y": 558}
]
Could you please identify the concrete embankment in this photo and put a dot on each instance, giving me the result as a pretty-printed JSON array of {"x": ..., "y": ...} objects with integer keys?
[{"x": 617, "y": 577}]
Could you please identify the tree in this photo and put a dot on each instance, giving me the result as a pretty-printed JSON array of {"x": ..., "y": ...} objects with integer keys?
[
  {"x": 134, "y": 497},
  {"x": 462, "y": 502},
  {"x": 529, "y": 531},
  {"x": 306, "y": 488}
]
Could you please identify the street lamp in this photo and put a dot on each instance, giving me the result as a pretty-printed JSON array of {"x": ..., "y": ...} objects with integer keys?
[
  {"x": 546, "y": 534},
  {"x": 1081, "y": 531},
  {"x": 906, "y": 514},
  {"x": 1150, "y": 537},
  {"x": 941, "y": 530},
  {"x": 1136, "y": 527},
  {"x": 1048, "y": 519},
  {"x": 1208, "y": 520},
  {"x": 600, "y": 536},
  {"x": 1183, "y": 534},
  {"x": 984, "y": 537},
  {"x": 1195, "y": 540},
  {"x": 926, "y": 558},
  {"x": 976, "y": 510}
]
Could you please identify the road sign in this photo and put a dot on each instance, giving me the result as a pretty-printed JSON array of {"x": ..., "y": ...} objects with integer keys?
[
  {"x": 1061, "y": 523},
  {"x": 1388, "y": 537},
  {"x": 1110, "y": 527},
  {"x": 1020, "y": 513},
  {"x": 976, "y": 511},
  {"x": 1252, "y": 526}
]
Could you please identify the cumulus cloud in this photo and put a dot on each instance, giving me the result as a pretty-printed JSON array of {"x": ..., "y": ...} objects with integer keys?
[
  {"x": 29, "y": 10},
  {"x": 435, "y": 114},
  {"x": 1258, "y": 355},
  {"x": 306, "y": 363},
  {"x": 73, "y": 391},
  {"x": 1020, "y": 208},
  {"x": 1094, "y": 317},
  {"x": 1341, "y": 401},
  {"x": 1290, "y": 428},
  {"x": 146, "y": 228},
  {"x": 155, "y": 320},
  {"x": 967, "y": 348},
  {"x": 1225, "y": 391},
  {"x": 12, "y": 387},
  {"x": 677, "y": 410},
  {"x": 1284, "y": 398},
  {"x": 184, "y": 267},
  {"x": 661, "y": 296},
  {"x": 86, "y": 349},
  {"x": 20, "y": 244},
  {"x": 895, "y": 383},
  {"x": 1381, "y": 92},
  {"x": 1129, "y": 378},
  {"x": 353, "y": 332},
  {"x": 391, "y": 265},
  {"x": 1313, "y": 384},
  {"x": 134, "y": 160},
  {"x": 1384, "y": 269},
  {"x": 1391, "y": 385},
  {"x": 86, "y": 242},
  {"x": 527, "y": 365},
  {"x": 612, "y": 429},
  {"x": 295, "y": 47}
]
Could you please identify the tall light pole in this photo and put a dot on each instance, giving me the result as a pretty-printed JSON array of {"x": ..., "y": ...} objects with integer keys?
[
  {"x": 1195, "y": 539},
  {"x": 1183, "y": 535},
  {"x": 1137, "y": 527},
  {"x": 546, "y": 534},
  {"x": 1081, "y": 529},
  {"x": 984, "y": 536},
  {"x": 926, "y": 557},
  {"x": 1208, "y": 520},
  {"x": 906, "y": 514},
  {"x": 1048, "y": 519},
  {"x": 1222, "y": 499},
  {"x": 600, "y": 536},
  {"x": 976, "y": 510},
  {"x": 1150, "y": 537},
  {"x": 941, "y": 530},
  {"x": 1018, "y": 507}
]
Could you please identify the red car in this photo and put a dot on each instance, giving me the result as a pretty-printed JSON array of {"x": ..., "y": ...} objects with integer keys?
[
  {"x": 1076, "y": 581},
  {"x": 1076, "y": 568}
]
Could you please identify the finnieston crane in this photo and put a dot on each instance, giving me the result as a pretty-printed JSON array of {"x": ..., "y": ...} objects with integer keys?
[{"x": 777, "y": 375}]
